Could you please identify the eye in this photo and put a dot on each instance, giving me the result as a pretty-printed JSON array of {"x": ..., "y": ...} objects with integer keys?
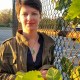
[
  {"x": 24, "y": 14},
  {"x": 34, "y": 13}
]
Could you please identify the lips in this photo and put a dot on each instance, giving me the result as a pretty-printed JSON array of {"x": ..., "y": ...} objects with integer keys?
[{"x": 30, "y": 23}]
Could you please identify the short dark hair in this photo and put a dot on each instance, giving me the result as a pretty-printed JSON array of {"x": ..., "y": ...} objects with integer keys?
[{"x": 32, "y": 3}]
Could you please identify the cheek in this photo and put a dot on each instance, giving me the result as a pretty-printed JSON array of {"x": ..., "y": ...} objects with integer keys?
[
  {"x": 22, "y": 20},
  {"x": 38, "y": 20}
]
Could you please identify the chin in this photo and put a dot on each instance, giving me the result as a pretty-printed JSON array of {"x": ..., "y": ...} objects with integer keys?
[{"x": 31, "y": 28}]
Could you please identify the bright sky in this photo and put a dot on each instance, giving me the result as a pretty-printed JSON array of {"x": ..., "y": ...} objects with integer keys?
[{"x": 5, "y": 4}]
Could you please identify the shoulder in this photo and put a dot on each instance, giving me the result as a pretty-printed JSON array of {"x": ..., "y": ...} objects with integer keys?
[
  {"x": 47, "y": 38},
  {"x": 48, "y": 41},
  {"x": 4, "y": 46},
  {"x": 7, "y": 45}
]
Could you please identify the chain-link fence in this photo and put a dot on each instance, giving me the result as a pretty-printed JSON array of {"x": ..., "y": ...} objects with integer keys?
[{"x": 67, "y": 49}]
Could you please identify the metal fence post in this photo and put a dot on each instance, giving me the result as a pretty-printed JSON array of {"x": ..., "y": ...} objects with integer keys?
[{"x": 14, "y": 21}]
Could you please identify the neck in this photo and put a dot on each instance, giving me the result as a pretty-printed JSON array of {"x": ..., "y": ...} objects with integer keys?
[{"x": 30, "y": 35}]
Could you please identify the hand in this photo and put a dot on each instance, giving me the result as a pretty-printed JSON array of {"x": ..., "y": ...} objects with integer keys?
[{"x": 43, "y": 72}]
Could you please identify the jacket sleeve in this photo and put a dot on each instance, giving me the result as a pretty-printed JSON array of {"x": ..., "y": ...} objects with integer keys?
[{"x": 6, "y": 70}]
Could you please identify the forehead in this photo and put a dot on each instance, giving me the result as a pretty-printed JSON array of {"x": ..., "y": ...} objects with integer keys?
[{"x": 26, "y": 8}]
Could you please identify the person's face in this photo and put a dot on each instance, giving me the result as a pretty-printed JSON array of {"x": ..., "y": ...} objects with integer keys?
[{"x": 29, "y": 18}]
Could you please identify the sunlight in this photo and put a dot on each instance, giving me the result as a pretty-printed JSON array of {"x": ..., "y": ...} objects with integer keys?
[{"x": 5, "y": 4}]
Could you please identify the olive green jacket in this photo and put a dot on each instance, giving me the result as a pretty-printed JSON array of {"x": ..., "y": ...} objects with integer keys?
[{"x": 13, "y": 55}]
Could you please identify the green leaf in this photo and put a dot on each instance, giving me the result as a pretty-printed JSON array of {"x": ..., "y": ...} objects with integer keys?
[
  {"x": 31, "y": 75},
  {"x": 53, "y": 74},
  {"x": 19, "y": 75},
  {"x": 67, "y": 65},
  {"x": 74, "y": 10},
  {"x": 75, "y": 73}
]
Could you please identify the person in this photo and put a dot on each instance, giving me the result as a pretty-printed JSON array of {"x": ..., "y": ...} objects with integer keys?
[{"x": 29, "y": 49}]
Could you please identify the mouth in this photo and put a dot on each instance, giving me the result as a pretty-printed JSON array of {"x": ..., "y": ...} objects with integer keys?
[{"x": 30, "y": 23}]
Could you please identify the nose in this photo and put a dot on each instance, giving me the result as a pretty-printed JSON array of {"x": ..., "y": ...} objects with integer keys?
[{"x": 29, "y": 17}]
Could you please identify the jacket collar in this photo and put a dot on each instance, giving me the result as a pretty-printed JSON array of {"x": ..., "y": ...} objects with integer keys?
[{"x": 20, "y": 38}]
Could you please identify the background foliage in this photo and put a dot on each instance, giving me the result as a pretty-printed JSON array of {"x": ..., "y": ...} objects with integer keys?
[
  {"x": 5, "y": 18},
  {"x": 70, "y": 9}
]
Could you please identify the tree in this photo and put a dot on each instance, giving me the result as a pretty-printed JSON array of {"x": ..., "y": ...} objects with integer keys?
[{"x": 5, "y": 17}]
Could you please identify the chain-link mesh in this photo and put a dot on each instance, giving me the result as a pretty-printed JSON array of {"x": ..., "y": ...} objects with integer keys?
[{"x": 67, "y": 49}]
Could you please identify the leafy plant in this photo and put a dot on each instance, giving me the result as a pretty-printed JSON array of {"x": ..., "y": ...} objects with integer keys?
[
  {"x": 73, "y": 7},
  {"x": 66, "y": 65},
  {"x": 70, "y": 10},
  {"x": 75, "y": 73},
  {"x": 31, "y": 75},
  {"x": 53, "y": 74},
  {"x": 62, "y": 4},
  {"x": 74, "y": 10}
]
